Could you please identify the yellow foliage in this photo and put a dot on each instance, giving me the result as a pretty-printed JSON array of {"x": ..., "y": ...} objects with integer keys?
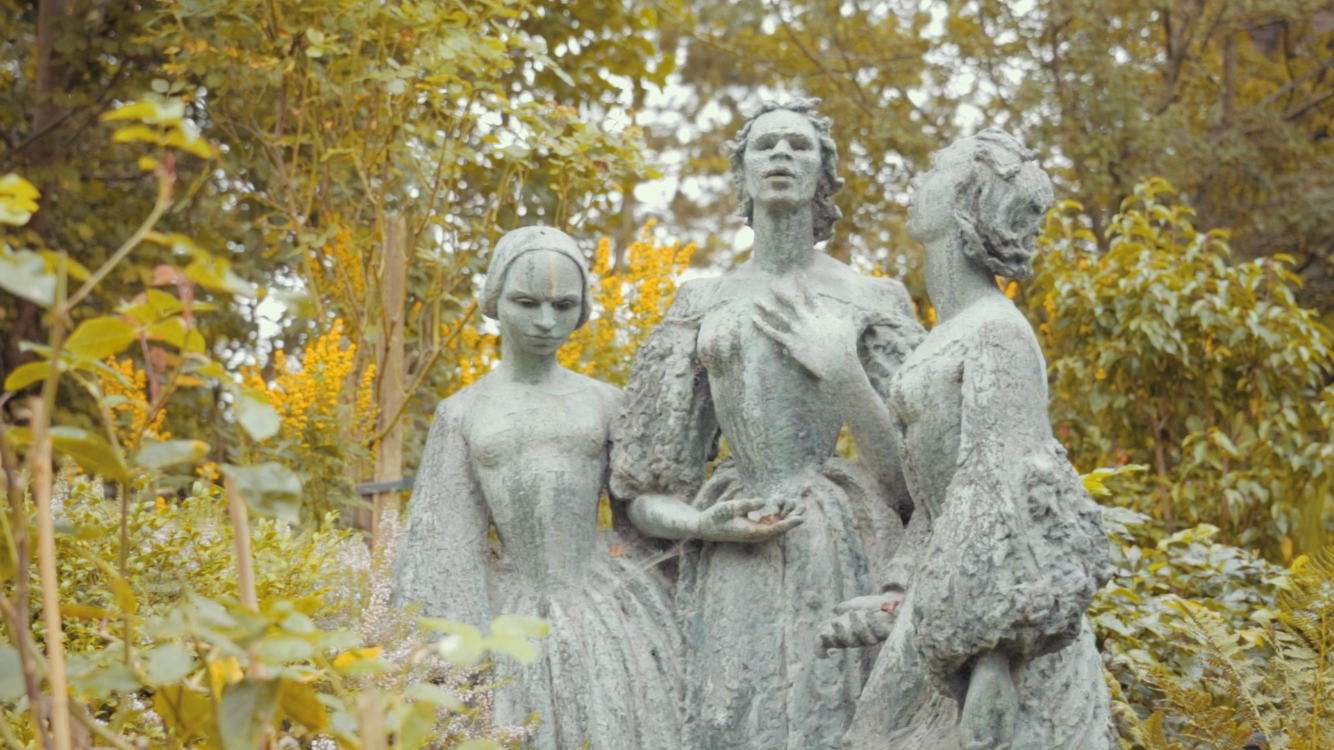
[
  {"x": 311, "y": 388},
  {"x": 135, "y": 404},
  {"x": 627, "y": 305}
]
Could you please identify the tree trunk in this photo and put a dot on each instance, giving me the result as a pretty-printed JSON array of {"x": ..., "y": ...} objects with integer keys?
[{"x": 390, "y": 392}]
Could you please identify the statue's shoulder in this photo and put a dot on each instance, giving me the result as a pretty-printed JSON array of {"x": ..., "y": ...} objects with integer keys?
[
  {"x": 694, "y": 298},
  {"x": 459, "y": 403},
  {"x": 998, "y": 323},
  {"x": 880, "y": 293},
  {"x": 606, "y": 394}
]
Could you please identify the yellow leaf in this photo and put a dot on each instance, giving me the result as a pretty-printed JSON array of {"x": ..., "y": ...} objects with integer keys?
[
  {"x": 301, "y": 704},
  {"x": 355, "y": 655},
  {"x": 224, "y": 672},
  {"x": 136, "y": 111},
  {"x": 18, "y": 200},
  {"x": 83, "y": 612},
  {"x": 131, "y": 133}
]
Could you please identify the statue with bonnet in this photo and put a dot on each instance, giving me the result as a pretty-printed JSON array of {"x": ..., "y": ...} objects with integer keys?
[{"x": 525, "y": 449}]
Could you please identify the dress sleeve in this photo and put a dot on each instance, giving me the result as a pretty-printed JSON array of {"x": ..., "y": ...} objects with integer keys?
[
  {"x": 883, "y": 347},
  {"x": 891, "y": 337},
  {"x": 1018, "y": 550},
  {"x": 666, "y": 430},
  {"x": 443, "y": 558}
]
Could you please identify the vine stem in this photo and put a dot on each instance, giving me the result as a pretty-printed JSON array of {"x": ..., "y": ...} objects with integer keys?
[
  {"x": 164, "y": 191},
  {"x": 101, "y": 730},
  {"x": 46, "y": 550}
]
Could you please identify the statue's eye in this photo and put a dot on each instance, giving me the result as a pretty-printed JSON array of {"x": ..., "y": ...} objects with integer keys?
[{"x": 564, "y": 305}]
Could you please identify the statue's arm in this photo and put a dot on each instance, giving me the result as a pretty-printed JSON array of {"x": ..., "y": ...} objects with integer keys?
[
  {"x": 443, "y": 557},
  {"x": 882, "y": 349},
  {"x": 666, "y": 433}
]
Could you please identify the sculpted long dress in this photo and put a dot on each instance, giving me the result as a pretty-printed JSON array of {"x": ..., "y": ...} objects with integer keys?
[
  {"x": 1006, "y": 547},
  {"x": 532, "y": 461},
  {"x": 750, "y": 612}
]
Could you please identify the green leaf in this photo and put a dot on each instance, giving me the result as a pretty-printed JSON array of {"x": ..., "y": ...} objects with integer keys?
[
  {"x": 246, "y": 709},
  {"x": 270, "y": 489},
  {"x": 514, "y": 646},
  {"x": 255, "y": 413},
  {"x": 156, "y": 306},
  {"x": 24, "y": 274},
  {"x": 101, "y": 337},
  {"x": 91, "y": 452},
  {"x": 435, "y": 695},
  {"x": 155, "y": 455},
  {"x": 463, "y": 644},
  {"x": 416, "y": 724},
  {"x": 26, "y": 374},
  {"x": 216, "y": 273},
  {"x": 101, "y": 681},
  {"x": 169, "y": 663},
  {"x": 11, "y": 674},
  {"x": 526, "y": 627},
  {"x": 284, "y": 649}
]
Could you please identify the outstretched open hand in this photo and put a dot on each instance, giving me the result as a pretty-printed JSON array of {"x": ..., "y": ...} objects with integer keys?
[
  {"x": 863, "y": 621},
  {"x": 820, "y": 334},
  {"x": 729, "y": 520}
]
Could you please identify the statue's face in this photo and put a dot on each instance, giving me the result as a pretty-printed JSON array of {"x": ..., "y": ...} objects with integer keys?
[
  {"x": 541, "y": 302},
  {"x": 782, "y": 160}
]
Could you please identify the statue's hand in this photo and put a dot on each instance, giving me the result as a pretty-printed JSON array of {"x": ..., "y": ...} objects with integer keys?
[
  {"x": 815, "y": 332},
  {"x": 863, "y": 621},
  {"x": 729, "y": 520}
]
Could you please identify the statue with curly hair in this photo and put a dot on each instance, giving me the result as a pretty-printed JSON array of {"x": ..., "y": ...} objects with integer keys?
[
  {"x": 782, "y": 529},
  {"x": 986, "y": 641}
]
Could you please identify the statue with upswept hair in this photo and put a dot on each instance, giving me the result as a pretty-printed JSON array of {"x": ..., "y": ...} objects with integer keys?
[
  {"x": 986, "y": 642},
  {"x": 782, "y": 529}
]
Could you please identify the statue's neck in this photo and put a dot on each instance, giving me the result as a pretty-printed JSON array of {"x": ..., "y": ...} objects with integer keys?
[
  {"x": 784, "y": 238},
  {"x": 953, "y": 280},
  {"x": 518, "y": 366}
]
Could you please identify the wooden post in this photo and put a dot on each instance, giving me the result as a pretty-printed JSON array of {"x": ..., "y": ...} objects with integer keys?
[{"x": 390, "y": 392}]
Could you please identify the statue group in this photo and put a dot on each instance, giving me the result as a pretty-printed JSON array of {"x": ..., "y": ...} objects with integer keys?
[{"x": 930, "y": 595}]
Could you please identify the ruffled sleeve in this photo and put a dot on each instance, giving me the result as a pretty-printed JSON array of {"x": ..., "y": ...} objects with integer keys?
[
  {"x": 893, "y": 334},
  {"x": 1018, "y": 550},
  {"x": 666, "y": 431},
  {"x": 443, "y": 559}
]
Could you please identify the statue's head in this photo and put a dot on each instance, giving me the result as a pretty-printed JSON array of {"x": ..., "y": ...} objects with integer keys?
[
  {"x": 787, "y": 136},
  {"x": 537, "y": 288},
  {"x": 990, "y": 189}
]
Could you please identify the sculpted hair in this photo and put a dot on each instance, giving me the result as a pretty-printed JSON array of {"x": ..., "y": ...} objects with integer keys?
[
  {"x": 524, "y": 240},
  {"x": 826, "y": 212},
  {"x": 983, "y": 166}
]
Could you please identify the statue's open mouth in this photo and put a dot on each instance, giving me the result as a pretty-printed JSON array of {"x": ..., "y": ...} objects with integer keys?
[{"x": 780, "y": 172}]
